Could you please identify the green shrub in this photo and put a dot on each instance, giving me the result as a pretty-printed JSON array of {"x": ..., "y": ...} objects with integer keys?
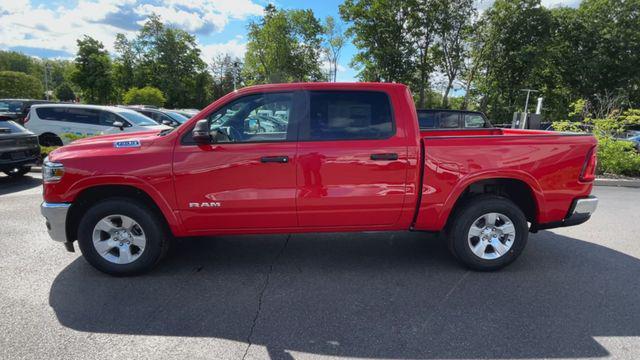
[
  {"x": 617, "y": 157},
  {"x": 148, "y": 95}
]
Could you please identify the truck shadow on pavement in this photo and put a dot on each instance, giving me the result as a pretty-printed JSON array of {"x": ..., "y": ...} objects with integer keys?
[
  {"x": 10, "y": 185},
  {"x": 366, "y": 295}
]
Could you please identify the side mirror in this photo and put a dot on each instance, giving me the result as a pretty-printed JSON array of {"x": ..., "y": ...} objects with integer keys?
[
  {"x": 166, "y": 122},
  {"x": 118, "y": 124},
  {"x": 201, "y": 133}
]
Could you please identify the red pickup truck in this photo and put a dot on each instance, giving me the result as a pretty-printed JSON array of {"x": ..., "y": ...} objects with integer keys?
[{"x": 314, "y": 157}]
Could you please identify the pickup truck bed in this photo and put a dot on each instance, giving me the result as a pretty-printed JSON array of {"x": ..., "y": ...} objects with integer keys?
[{"x": 314, "y": 157}]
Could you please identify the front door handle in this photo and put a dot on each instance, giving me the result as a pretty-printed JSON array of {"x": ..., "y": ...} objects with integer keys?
[
  {"x": 275, "y": 159},
  {"x": 386, "y": 156}
]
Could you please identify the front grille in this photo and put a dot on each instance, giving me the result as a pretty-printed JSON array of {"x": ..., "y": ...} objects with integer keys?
[{"x": 18, "y": 155}]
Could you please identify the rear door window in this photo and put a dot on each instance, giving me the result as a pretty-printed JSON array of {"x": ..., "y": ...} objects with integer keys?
[
  {"x": 449, "y": 120},
  {"x": 83, "y": 116},
  {"x": 348, "y": 115},
  {"x": 52, "y": 113}
]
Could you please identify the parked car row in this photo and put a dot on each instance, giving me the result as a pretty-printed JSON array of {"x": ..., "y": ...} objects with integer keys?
[{"x": 27, "y": 124}]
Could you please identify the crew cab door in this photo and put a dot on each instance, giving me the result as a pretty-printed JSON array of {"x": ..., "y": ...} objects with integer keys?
[
  {"x": 246, "y": 179},
  {"x": 352, "y": 163}
]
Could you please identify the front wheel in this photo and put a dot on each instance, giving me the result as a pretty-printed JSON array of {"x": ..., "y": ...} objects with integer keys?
[
  {"x": 122, "y": 237},
  {"x": 488, "y": 233}
]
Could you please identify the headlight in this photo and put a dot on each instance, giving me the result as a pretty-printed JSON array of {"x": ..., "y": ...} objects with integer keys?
[{"x": 51, "y": 171}]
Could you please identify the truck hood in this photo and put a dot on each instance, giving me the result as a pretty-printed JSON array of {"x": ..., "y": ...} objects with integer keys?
[{"x": 124, "y": 141}]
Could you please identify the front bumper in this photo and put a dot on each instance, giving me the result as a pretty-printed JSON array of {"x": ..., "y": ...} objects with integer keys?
[
  {"x": 579, "y": 212},
  {"x": 55, "y": 215}
]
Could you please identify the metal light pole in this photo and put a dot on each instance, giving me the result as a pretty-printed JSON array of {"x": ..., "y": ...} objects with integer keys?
[
  {"x": 235, "y": 71},
  {"x": 47, "y": 69},
  {"x": 526, "y": 103}
]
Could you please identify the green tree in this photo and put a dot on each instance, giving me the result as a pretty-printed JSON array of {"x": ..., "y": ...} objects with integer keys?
[
  {"x": 64, "y": 92},
  {"x": 124, "y": 63},
  {"x": 224, "y": 69},
  {"x": 453, "y": 26},
  {"x": 517, "y": 35},
  {"x": 382, "y": 32},
  {"x": 93, "y": 73},
  {"x": 15, "y": 84},
  {"x": 284, "y": 47},
  {"x": 333, "y": 44},
  {"x": 169, "y": 59},
  {"x": 147, "y": 95}
]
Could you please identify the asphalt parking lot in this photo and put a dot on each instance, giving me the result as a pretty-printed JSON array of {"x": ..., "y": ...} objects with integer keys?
[{"x": 575, "y": 293}]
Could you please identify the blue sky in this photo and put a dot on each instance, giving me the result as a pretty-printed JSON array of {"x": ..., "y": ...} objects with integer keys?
[{"x": 49, "y": 28}]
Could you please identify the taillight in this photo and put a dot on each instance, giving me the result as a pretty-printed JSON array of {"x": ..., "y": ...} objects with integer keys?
[
  {"x": 589, "y": 168},
  {"x": 26, "y": 118}
]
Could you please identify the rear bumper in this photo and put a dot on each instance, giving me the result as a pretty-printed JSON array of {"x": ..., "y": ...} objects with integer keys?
[
  {"x": 580, "y": 211},
  {"x": 55, "y": 215}
]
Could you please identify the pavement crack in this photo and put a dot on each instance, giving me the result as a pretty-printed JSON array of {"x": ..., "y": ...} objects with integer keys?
[{"x": 261, "y": 296}]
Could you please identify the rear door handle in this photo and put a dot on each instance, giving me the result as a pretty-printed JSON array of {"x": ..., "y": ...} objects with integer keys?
[
  {"x": 386, "y": 156},
  {"x": 275, "y": 159}
]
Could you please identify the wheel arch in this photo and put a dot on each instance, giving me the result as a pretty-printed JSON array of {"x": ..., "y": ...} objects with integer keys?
[
  {"x": 522, "y": 190},
  {"x": 93, "y": 194}
]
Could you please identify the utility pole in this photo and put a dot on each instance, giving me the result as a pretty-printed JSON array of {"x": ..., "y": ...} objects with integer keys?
[
  {"x": 235, "y": 71},
  {"x": 46, "y": 80},
  {"x": 526, "y": 103}
]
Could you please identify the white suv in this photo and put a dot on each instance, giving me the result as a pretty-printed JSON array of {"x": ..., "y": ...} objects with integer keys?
[{"x": 51, "y": 121}]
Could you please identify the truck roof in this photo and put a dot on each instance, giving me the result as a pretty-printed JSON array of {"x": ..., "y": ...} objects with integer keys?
[{"x": 325, "y": 86}]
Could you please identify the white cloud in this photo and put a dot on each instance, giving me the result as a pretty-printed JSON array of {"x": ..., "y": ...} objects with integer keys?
[
  {"x": 202, "y": 15},
  {"x": 24, "y": 24},
  {"x": 234, "y": 47}
]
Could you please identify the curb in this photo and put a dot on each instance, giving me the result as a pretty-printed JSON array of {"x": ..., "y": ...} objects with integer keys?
[{"x": 634, "y": 183}]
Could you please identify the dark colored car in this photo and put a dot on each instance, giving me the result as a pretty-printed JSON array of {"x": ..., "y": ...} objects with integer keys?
[
  {"x": 452, "y": 119},
  {"x": 161, "y": 116},
  {"x": 17, "y": 109},
  {"x": 19, "y": 149}
]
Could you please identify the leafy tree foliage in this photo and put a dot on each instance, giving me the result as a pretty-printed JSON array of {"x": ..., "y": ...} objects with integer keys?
[
  {"x": 283, "y": 46},
  {"x": 58, "y": 71},
  {"x": 93, "y": 73},
  {"x": 65, "y": 92},
  {"x": 166, "y": 58},
  {"x": 333, "y": 43},
  {"x": 15, "y": 84},
  {"x": 147, "y": 95},
  {"x": 225, "y": 70}
]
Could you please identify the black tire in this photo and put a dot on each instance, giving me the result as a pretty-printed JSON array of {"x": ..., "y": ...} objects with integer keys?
[
  {"x": 157, "y": 236},
  {"x": 464, "y": 218},
  {"x": 18, "y": 171},
  {"x": 49, "y": 139}
]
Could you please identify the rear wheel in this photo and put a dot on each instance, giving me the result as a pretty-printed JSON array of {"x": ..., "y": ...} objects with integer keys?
[
  {"x": 19, "y": 171},
  {"x": 122, "y": 237},
  {"x": 488, "y": 233}
]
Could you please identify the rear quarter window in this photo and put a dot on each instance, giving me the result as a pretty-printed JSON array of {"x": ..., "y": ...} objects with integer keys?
[{"x": 348, "y": 115}]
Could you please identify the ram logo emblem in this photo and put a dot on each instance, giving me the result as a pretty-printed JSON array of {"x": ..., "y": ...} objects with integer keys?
[{"x": 213, "y": 204}]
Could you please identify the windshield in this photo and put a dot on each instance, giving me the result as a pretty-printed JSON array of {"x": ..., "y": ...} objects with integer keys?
[
  {"x": 177, "y": 117},
  {"x": 10, "y": 106},
  {"x": 137, "y": 118}
]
